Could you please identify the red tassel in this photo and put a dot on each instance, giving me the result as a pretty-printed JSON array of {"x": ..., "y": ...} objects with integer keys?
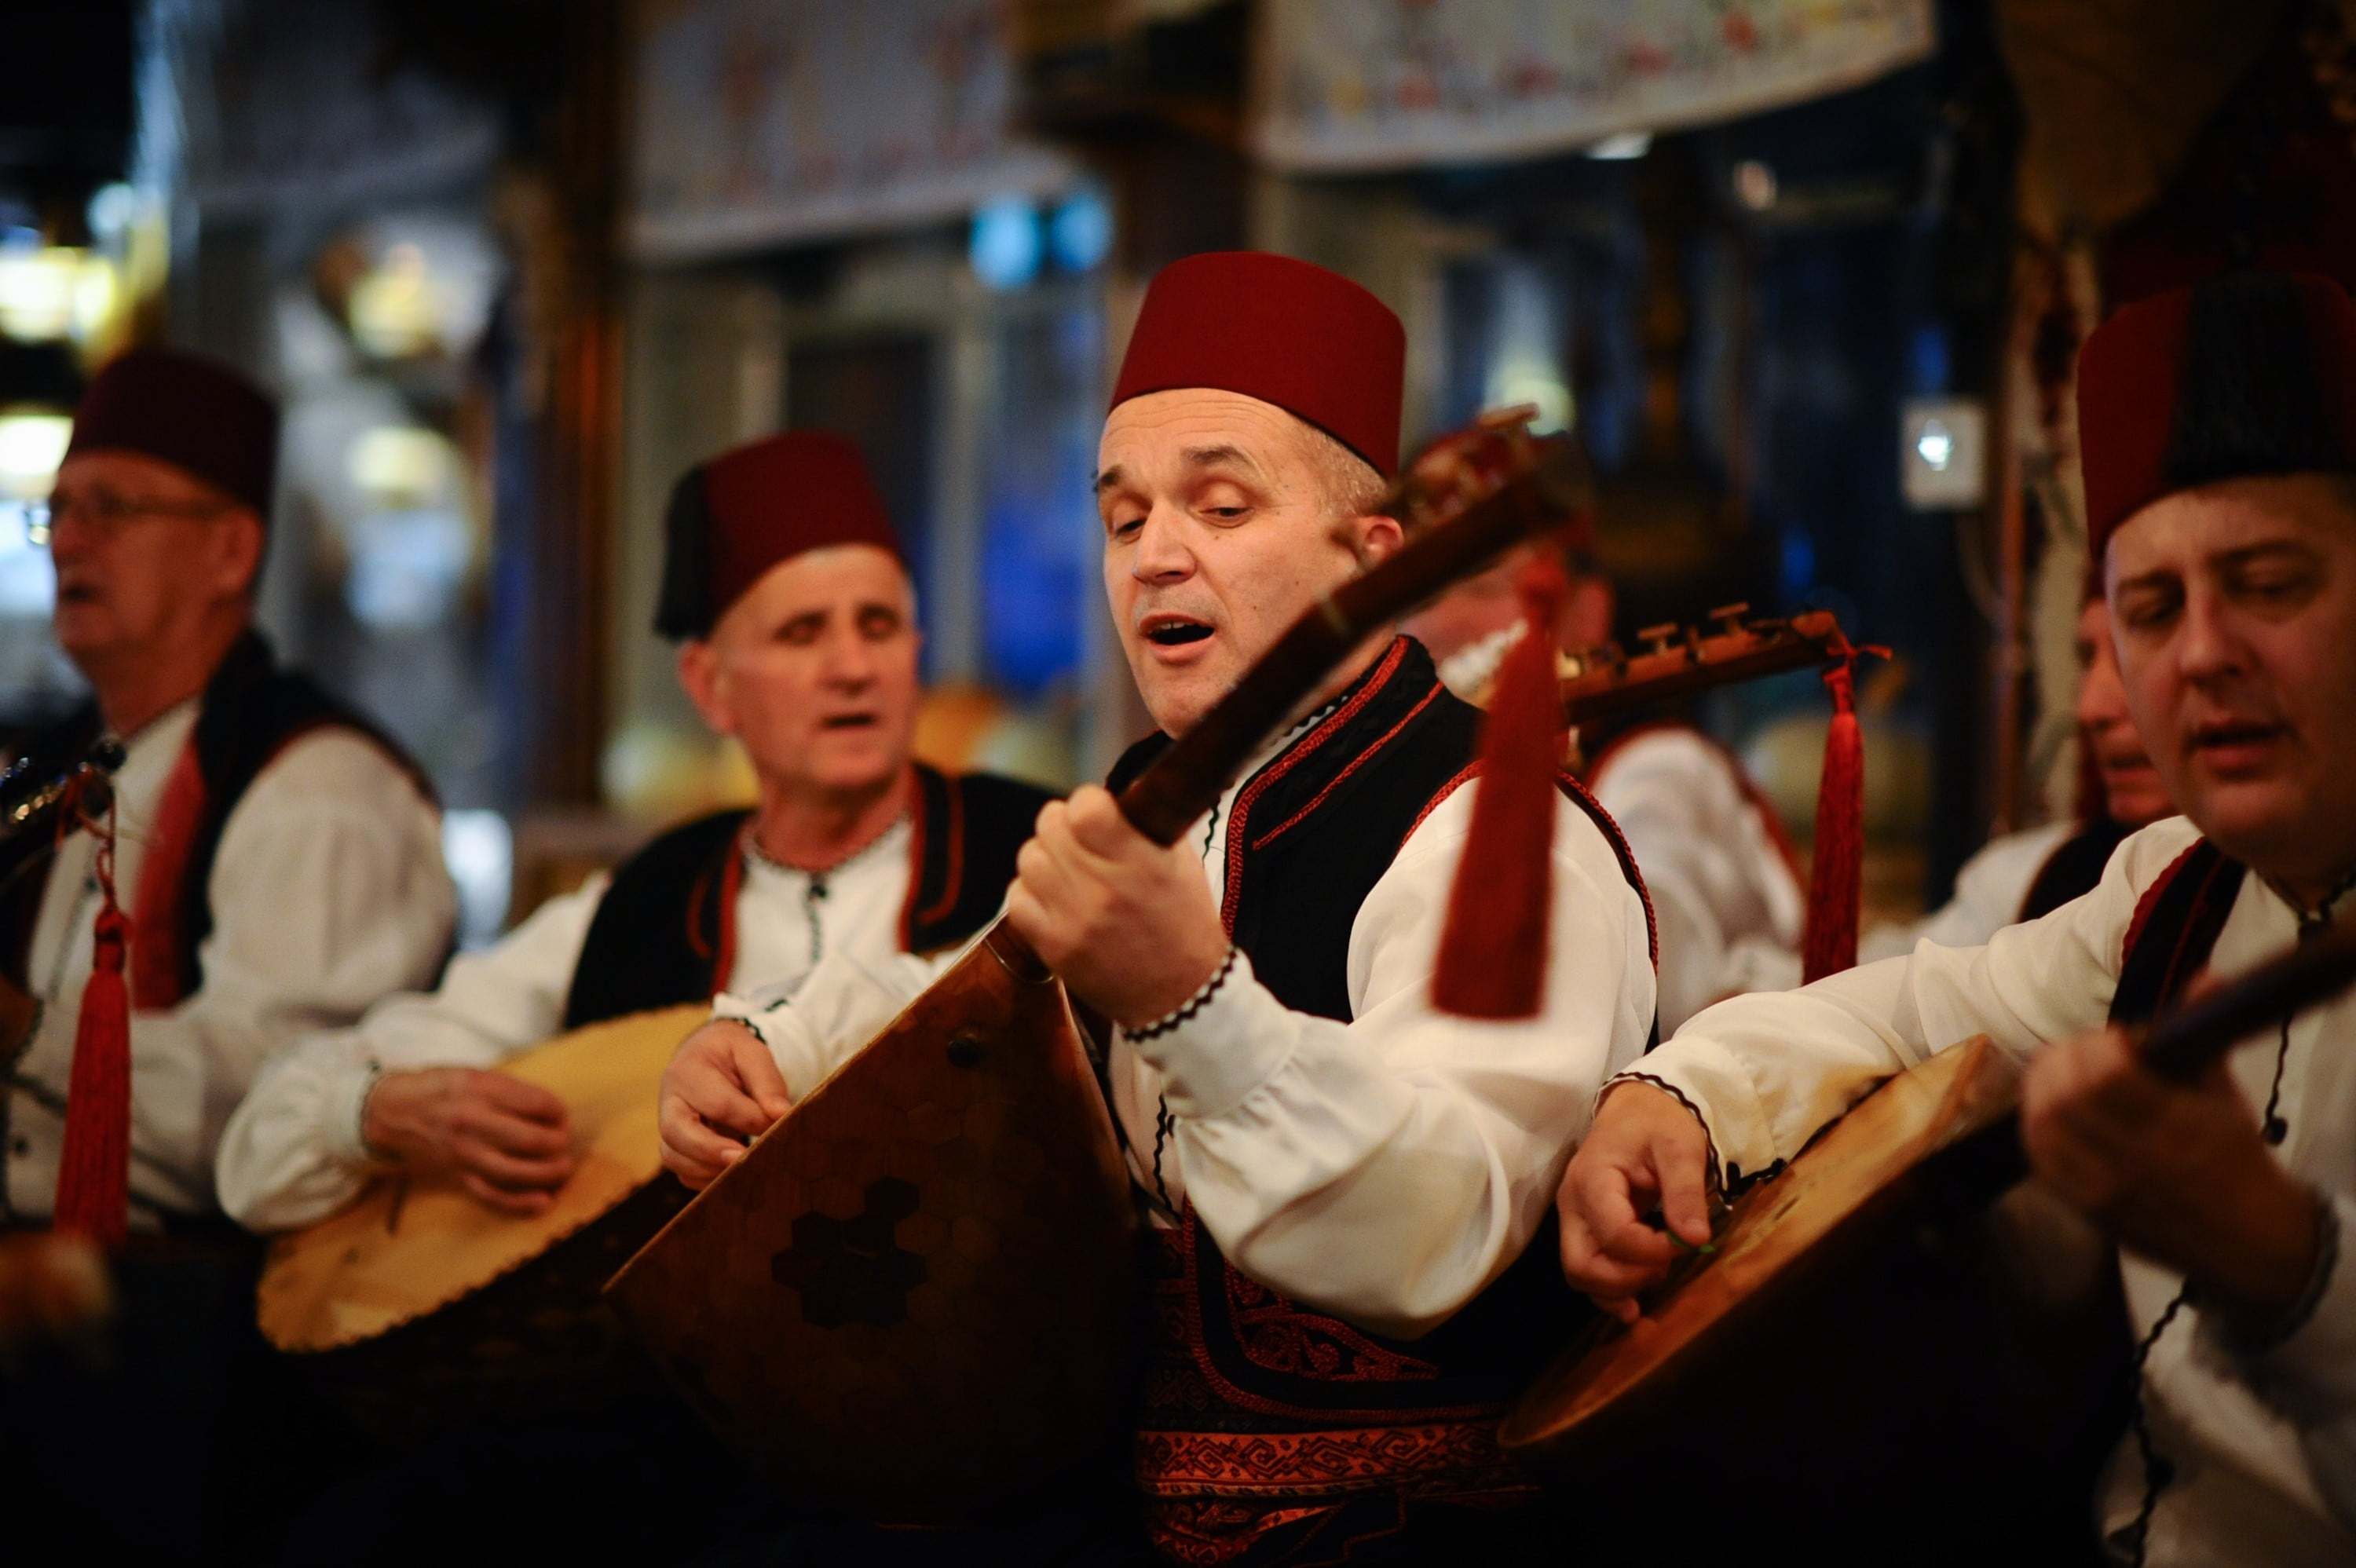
[
  {"x": 1492, "y": 952},
  {"x": 94, "y": 1174},
  {"x": 1836, "y": 882}
]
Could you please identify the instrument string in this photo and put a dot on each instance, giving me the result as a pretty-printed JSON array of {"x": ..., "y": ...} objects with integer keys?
[{"x": 2157, "y": 1470}]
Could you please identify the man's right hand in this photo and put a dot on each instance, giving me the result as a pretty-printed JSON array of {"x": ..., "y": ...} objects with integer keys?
[
  {"x": 721, "y": 1089},
  {"x": 506, "y": 1141},
  {"x": 1645, "y": 1152}
]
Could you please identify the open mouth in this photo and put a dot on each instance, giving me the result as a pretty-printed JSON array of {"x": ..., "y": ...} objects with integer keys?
[
  {"x": 1174, "y": 630},
  {"x": 839, "y": 722}
]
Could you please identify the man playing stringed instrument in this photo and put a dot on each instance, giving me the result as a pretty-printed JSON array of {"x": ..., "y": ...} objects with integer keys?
[
  {"x": 2219, "y": 431},
  {"x": 280, "y": 864},
  {"x": 1344, "y": 1182},
  {"x": 784, "y": 584}
]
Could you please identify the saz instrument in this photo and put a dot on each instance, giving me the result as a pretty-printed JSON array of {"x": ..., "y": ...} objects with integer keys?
[
  {"x": 1679, "y": 662},
  {"x": 419, "y": 1302},
  {"x": 918, "y": 1292},
  {"x": 1834, "y": 1344}
]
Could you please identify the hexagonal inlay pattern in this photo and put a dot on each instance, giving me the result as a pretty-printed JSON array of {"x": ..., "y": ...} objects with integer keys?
[{"x": 851, "y": 1270}]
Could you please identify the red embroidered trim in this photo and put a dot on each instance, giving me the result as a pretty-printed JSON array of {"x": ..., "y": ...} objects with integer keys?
[
  {"x": 1420, "y": 1459},
  {"x": 956, "y": 858},
  {"x": 159, "y": 907},
  {"x": 1280, "y": 1334},
  {"x": 1189, "y": 1327},
  {"x": 1470, "y": 771},
  {"x": 1273, "y": 833},
  {"x": 2151, "y": 900},
  {"x": 1601, "y": 817},
  {"x": 1308, "y": 743},
  {"x": 732, "y": 879},
  {"x": 1212, "y": 1497}
]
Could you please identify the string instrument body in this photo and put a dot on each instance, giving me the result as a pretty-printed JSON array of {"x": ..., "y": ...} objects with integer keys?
[
  {"x": 418, "y": 1306},
  {"x": 1896, "y": 1329},
  {"x": 919, "y": 1292}
]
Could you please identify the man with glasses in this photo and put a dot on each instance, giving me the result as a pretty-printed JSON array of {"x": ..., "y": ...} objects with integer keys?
[{"x": 279, "y": 860}]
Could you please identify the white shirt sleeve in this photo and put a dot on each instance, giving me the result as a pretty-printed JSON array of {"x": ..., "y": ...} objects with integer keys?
[
  {"x": 1989, "y": 890},
  {"x": 1387, "y": 1169},
  {"x": 328, "y": 891},
  {"x": 1729, "y": 906},
  {"x": 815, "y": 1024},
  {"x": 291, "y": 1154},
  {"x": 1766, "y": 1072}
]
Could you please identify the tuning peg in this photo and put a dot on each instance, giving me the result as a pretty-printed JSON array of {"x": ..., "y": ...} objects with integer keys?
[
  {"x": 1659, "y": 638},
  {"x": 1729, "y": 616}
]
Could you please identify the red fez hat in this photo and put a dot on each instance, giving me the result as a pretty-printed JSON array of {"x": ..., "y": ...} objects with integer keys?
[
  {"x": 192, "y": 413},
  {"x": 733, "y": 518},
  {"x": 1310, "y": 341},
  {"x": 2244, "y": 374}
]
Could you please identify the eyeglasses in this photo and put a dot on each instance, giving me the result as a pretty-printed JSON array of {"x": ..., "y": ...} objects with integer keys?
[{"x": 107, "y": 510}]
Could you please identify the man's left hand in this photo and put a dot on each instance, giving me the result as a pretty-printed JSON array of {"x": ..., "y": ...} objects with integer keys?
[
  {"x": 2179, "y": 1172},
  {"x": 1127, "y": 925}
]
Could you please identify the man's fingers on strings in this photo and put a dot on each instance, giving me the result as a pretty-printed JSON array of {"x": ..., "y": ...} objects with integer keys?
[
  {"x": 756, "y": 1070},
  {"x": 1681, "y": 1175},
  {"x": 715, "y": 1095}
]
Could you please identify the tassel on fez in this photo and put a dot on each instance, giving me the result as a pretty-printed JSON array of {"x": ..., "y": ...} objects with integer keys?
[
  {"x": 1492, "y": 951},
  {"x": 93, "y": 1197},
  {"x": 1835, "y": 880}
]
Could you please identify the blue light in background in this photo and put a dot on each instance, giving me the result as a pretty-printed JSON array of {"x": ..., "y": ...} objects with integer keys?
[
  {"x": 1799, "y": 564},
  {"x": 1080, "y": 233},
  {"x": 1005, "y": 245},
  {"x": 1927, "y": 360}
]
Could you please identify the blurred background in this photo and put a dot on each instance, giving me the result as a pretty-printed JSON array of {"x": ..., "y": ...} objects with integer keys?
[{"x": 1806, "y": 275}]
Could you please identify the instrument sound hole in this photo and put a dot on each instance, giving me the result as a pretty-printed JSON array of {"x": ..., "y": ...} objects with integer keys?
[{"x": 965, "y": 1051}]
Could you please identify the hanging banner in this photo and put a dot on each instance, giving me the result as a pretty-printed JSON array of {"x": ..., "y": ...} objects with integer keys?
[
  {"x": 764, "y": 123},
  {"x": 1374, "y": 84}
]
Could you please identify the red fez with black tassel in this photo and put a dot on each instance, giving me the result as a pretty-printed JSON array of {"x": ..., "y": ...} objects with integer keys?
[
  {"x": 185, "y": 409},
  {"x": 2242, "y": 375},
  {"x": 753, "y": 506},
  {"x": 1286, "y": 332}
]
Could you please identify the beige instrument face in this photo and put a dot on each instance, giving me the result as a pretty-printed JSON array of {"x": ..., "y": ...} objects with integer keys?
[
  {"x": 1772, "y": 1231},
  {"x": 410, "y": 1246}
]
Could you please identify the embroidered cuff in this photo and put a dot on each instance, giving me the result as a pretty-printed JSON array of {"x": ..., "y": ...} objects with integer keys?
[
  {"x": 1186, "y": 1009},
  {"x": 1710, "y": 1081},
  {"x": 1218, "y": 1049},
  {"x": 348, "y": 1123}
]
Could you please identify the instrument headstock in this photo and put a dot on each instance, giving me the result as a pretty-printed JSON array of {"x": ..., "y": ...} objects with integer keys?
[{"x": 1678, "y": 661}]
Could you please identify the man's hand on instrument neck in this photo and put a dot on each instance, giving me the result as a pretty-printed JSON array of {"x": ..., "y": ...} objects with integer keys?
[
  {"x": 721, "y": 1088},
  {"x": 1127, "y": 925},
  {"x": 1646, "y": 1151},
  {"x": 503, "y": 1140},
  {"x": 2182, "y": 1173}
]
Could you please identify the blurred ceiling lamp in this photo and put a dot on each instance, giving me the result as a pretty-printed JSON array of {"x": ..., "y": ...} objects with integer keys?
[
  {"x": 36, "y": 292},
  {"x": 398, "y": 464},
  {"x": 32, "y": 444},
  {"x": 396, "y": 309},
  {"x": 1625, "y": 145},
  {"x": 1754, "y": 184}
]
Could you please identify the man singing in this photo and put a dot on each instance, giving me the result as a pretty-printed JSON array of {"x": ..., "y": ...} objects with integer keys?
[{"x": 1345, "y": 1183}]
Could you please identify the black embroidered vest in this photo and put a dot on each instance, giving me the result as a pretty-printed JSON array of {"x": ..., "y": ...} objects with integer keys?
[
  {"x": 664, "y": 934},
  {"x": 2073, "y": 869},
  {"x": 1249, "y": 1393},
  {"x": 251, "y": 710}
]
